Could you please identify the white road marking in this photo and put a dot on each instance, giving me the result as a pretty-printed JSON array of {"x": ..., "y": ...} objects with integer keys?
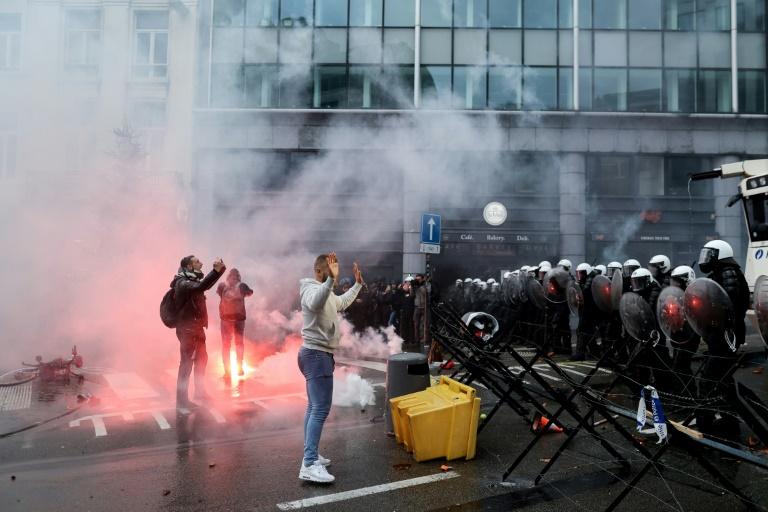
[
  {"x": 161, "y": 421},
  {"x": 100, "y": 429},
  {"x": 517, "y": 370},
  {"x": 365, "y": 491},
  {"x": 591, "y": 365},
  {"x": 371, "y": 365},
  {"x": 571, "y": 370},
  {"x": 129, "y": 386},
  {"x": 216, "y": 415}
]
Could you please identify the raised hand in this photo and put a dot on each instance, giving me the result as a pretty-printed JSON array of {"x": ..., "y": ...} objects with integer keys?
[
  {"x": 333, "y": 265},
  {"x": 218, "y": 265},
  {"x": 358, "y": 274}
]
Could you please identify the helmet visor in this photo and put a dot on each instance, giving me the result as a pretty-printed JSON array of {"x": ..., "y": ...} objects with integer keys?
[{"x": 640, "y": 283}]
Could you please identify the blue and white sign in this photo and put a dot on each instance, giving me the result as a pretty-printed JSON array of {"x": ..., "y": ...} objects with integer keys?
[{"x": 430, "y": 233}]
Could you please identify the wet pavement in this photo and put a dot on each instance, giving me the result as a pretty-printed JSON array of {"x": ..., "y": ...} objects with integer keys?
[{"x": 128, "y": 450}]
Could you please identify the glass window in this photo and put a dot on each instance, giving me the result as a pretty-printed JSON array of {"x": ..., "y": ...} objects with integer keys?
[
  {"x": 565, "y": 13},
  {"x": 565, "y": 48},
  {"x": 365, "y": 13},
  {"x": 715, "y": 50},
  {"x": 610, "y": 90},
  {"x": 435, "y": 46},
  {"x": 436, "y": 86},
  {"x": 150, "y": 56},
  {"x": 365, "y": 45},
  {"x": 398, "y": 45},
  {"x": 610, "y": 13},
  {"x": 539, "y": 88},
  {"x": 585, "y": 48},
  {"x": 229, "y": 13},
  {"x": 505, "y": 47},
  {"x": 752, "y": 93},
  {"x": 330, "y": 45},
  {"x": 645, "y": 14},
  {"x": 751, "y": 48},
  {"x": 83, "y": 41},
  {"x": 295, "y": 13},
  {"x": 750, "y": 15},
  {"x": 680, "y": 90},
  {"x": 396, "y": 89},
  {"x": 227, "y": 45},
  {"x": 504, "y": 13},
  {"x": 679, "y": 14},
  {"x": 261, "y": 86},
  {"x": 540, "y": 14},
  {"x": 436, "y": 13},
  {"x": 676, "y": 171},
  {"x": 645, "y": 49},
  {"x": 470, "y": 13},
  {"x": 650, "y": 175},
  {"x": 261, "y": 13},
  {"x": 504, "y": 85},
  {"x": 296, "y": 47},
  {"x": 611, "y": 176},
  {"x": 330, "y": 87},
  {"x": 585, "y": 88},
  {"x": 644, "y": 90},
  {"x": 714, "y": 91},
  {"x": 399, "y": 13},
  {"x": 295, "y": 84},
  {"x": 364, "y": 86},
  {"x": 331, "y": 13},
  {"x": 610, "y": 48},
  {"x": 226, "y": 85},
  {"x": 713, "y": 15},
  {"x": 10, "y": 41},
  {"x": 469, "y": 46},
  {"x": 469, "y": 87},
  {"x": 680, "y": 50},
  {"x": 540, "y": 48},
  {"x": 585, "y": 14},
  {"x": 565, "y": 88},
  {"x": 260, "y": 45}
]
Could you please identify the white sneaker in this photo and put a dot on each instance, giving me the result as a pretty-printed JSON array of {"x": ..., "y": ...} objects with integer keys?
[
  {"x": 315, "y": 473},
  {"x": 322, "y": 460}
]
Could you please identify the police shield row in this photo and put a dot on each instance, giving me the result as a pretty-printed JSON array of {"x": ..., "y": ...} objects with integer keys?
[{"x": 620, "y": 304}]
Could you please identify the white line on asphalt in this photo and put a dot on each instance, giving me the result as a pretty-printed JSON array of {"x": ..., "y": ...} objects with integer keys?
[
  {"x": 591, "y": 365},
  {"x": 371, "y": 365},
  {"x": 365, "y": 491},
  {"x": 216, "y": 415},
  {"x": 161, "y": 421},
  {"x": 571, "y": 370}
]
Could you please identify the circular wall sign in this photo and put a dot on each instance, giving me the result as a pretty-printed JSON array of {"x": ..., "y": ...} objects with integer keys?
[{"x": 495, "y": 213}]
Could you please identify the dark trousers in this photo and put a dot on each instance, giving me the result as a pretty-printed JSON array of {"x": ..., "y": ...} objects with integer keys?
[
  {"x": 230, "y": 329},
  {"x": 193, "y": 354},
  {"x": 418, "y": 324}
]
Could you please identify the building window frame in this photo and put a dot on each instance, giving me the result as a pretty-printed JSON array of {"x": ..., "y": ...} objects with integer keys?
[
  {"x": 10, "y": 42},
  {"x": 156, "y": 71},
  {"x": 82, "y": 64}
]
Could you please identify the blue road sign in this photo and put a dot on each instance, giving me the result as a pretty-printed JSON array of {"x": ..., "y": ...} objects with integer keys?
[{"x": 430, "y": 228}]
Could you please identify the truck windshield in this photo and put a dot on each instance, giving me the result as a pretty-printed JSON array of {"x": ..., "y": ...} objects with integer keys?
[{"x": 755, "y": 208}]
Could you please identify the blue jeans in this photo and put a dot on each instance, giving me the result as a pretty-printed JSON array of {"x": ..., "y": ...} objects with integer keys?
[{"x": 317, "y": 367}]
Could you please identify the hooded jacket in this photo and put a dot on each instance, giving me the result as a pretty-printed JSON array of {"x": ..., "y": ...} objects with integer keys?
[
  {"x": 320, "y": 309},
  {"x": 232, "y": 304},
  {"x": 190, "y": 288}
]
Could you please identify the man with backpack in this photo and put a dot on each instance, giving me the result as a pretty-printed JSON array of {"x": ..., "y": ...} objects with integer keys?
[
  {"x": 191, "y": 319},
  {"x": 232, "y": 312}
]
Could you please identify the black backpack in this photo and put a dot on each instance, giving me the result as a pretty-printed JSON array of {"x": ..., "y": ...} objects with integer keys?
[{"x": 169, "y": 310}]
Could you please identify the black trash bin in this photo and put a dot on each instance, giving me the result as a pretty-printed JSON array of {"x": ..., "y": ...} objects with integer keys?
[{"x": 407, "y": 372}]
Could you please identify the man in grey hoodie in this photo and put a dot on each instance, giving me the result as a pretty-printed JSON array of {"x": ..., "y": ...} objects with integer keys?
[{"x": 320, "y": 308}]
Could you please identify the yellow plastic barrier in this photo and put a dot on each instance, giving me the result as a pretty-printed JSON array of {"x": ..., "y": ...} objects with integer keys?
[{"x": 440, "y": 421}]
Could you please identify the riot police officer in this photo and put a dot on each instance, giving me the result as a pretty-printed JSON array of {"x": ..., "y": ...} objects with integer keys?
[
  {"x": 588, "y": 316},
  {"x": 660, "y": 267}
]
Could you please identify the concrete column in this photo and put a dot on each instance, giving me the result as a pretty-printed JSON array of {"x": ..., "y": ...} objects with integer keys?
[
  {"x": 729, "y": 222},
  {"x": 573, "y": 209},
  {"x": 415, "y": 202}
]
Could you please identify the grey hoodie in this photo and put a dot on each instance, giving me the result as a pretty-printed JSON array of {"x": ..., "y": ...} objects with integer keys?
[{"x": 320, "y": 308}]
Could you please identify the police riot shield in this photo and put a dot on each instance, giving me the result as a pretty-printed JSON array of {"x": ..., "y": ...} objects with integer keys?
[
  {"x": 637, "y": 317},
  {"x": 555, "y": 283},
  {"x": 760, "y": 306},
  {"x": 575, "y": 298},
  {"x": 536, "y": 293},
  {"x": 617, "y": 290},
  {"x": 709, "y": 311},
  {"x": 522, "y": 281},
  {"x": 512, "y": 290},
  {"x": 601, "y": 292},
  {"x": 671, "y": 317}
]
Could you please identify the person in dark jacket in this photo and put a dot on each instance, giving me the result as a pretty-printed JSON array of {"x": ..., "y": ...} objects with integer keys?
[
  {"x": 232, "y": 313},
  {"x": 190, "y": 285},
  {"x": 716, "y": 260},
  {"x": 588, "y": 316}
]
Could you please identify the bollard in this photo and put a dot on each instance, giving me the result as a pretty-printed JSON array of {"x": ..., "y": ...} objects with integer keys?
[{"x": 407, "y": 373}]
